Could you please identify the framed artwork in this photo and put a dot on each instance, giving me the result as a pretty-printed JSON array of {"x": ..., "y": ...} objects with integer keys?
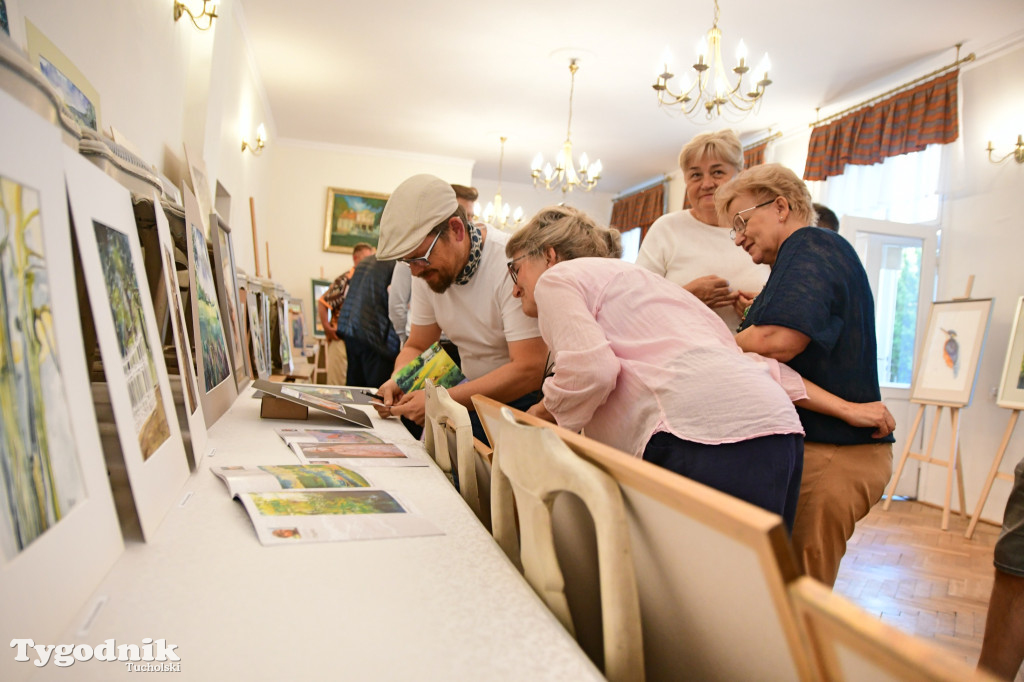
[
  {"x": 947, "y": 362},
  {"x": 259, "y": 358},
  {"x": 201, "y": 188},
  {"x": 352, "y": 217},
  {"x": 297, "y": 327},
  {"x": 81, "y": 98},
  {"x": 263, "y": 296},
  {"x": 227, "y": 291},
  {"x": 217, "y": 388},
  {"x": 1011, "y": 388},
  {"x": 59, "y": 533},
  {"x": 319, "y": 286},
  {"x": 148, "y": 437},
  {"x": 284, "y": 328},
  {"x": 193, "y": 407}
]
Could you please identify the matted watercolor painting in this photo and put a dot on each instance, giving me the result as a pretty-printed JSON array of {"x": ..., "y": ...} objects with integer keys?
[
  {"x": 227, "y": 291},
  {"x": 148, "y": 434},
  {"x": 217, "y": 389},
  {"x": 59, "y": 533},
  {"x": 947, "y": 362},
  {"x": 1011, "y": 388}
]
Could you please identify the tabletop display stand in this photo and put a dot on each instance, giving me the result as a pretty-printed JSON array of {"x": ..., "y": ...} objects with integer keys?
[{"x": 944, "y": 376}]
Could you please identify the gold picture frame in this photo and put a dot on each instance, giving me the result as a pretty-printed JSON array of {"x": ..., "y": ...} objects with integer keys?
[{"x": 351, "y": 217}]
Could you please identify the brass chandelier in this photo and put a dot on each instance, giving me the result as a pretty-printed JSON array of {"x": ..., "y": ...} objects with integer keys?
[
  {"x": 711, "y": 93},
  {"x": 498, "y": 213},
  {"x": 565, "y": 175}
]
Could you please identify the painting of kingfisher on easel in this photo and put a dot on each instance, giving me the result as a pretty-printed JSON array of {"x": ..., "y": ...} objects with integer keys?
[{"x": 952, "y": 348}]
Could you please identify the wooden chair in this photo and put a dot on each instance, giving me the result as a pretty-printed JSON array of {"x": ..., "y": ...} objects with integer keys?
[
  {"x": 849, "y": 644},
  {"x": 712, "y": 571},
  {"x": 538, "y": 466},
  {"x": 447, "y": 424}
]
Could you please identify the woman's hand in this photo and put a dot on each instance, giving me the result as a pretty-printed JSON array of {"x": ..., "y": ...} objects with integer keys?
[
  {"x": 712, "y": 290},
  {"x": 538, "y": 410},
  {"x": 412, "y": 406},
  {"x": 874, "y": 415}
]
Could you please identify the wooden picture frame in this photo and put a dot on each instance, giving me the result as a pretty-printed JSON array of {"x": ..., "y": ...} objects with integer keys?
[
  {"x": 1011, "y": 387},
  {"x": 192, "y": 406},
  {"x": 297, "y": 328},
  {"x": 318, "y": 287},
  {"x": 352, "y": 216},
  {"x": 947, "y": 361},
  {"x": 217, "y": 387},
  {"x": 45, "y": 579},
  {"x": 227, "y": 295},
  {"x": 257, "y": 335},
  {"x": 148, "y": 450}
]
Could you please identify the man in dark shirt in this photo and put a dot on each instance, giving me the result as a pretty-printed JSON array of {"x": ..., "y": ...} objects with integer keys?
[
  {"x": 327, "y": 307},
  {"x": 364, "y": 326}
]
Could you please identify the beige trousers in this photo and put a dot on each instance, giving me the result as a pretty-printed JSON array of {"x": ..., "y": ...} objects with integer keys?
[
  {"x": 840, "y": 484},
  {"x": 337, "y": 363}
]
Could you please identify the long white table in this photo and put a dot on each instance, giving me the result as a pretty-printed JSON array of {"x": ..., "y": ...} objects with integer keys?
[{"x": 447, "y": 607}]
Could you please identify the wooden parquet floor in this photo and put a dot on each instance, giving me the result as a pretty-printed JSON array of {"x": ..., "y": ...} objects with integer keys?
[{"x": 932, "y": 583}]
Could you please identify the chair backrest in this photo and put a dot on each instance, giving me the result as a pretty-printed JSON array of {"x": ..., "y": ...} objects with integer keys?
[
  {"x": 539, "y": 466},
  {"x": 447, "y": 422},
  {"x": 712, "y": 571},
  {"x": 849, "y": 644}
]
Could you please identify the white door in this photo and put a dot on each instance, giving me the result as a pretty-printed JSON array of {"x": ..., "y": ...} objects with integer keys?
[{"x": 901, "y": 261}]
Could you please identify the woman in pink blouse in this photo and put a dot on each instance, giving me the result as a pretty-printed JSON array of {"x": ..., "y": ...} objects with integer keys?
[{"x": 642, "y": 365}]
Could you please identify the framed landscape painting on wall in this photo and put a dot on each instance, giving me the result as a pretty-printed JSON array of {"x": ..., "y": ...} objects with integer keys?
[
  {"x": 148, "y": 435},
  {"x": 1011, "y": 388},
  {"x": 352, "y": 217},
  {"x": 947, "y": 363},
  {"x": 59, "y": 533}
]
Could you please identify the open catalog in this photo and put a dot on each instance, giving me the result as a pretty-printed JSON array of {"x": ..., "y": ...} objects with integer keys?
[
  {"x": 346, "y": 447},
  {"x": 435, "y": 364},
  {"x": 295, "y": 503}
]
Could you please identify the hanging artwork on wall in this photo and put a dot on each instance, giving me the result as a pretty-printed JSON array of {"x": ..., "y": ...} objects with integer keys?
[
  {"x": 352, "y": 217},
  {"x": 217, "y": 389},
  {"x": 194, "y": 419},
  {"x": 1011, "y": 388},
  {"x": 227, "y": 288},
  {"x": 59, "y": 533},
  {"x": 148, "y": 437},
  {"x": 947, "y": 363}
]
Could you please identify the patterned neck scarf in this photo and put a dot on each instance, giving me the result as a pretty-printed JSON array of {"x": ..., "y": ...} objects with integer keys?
[{"x": 476, "y": 247}]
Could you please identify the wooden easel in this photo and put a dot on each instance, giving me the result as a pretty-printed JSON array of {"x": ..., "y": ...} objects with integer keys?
[
  {"x": 952, "y": 464},
  {"x": 993, "y": 473}
]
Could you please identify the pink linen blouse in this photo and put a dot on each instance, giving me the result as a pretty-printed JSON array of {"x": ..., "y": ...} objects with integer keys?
[{"x": 635, "y": 354}]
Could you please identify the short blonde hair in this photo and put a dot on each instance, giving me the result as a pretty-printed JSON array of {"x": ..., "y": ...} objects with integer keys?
[
  {"x": 724, "y": 144},
  {"x": 569, "y": 231},
  {"x": 766, "y": 182}
]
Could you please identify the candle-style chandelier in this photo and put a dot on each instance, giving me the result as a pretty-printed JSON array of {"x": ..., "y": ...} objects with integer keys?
[
  {"x": 564, "y": 175},
  {"x": 498, "y": 213},
  {"x": 711, "y": 93}
]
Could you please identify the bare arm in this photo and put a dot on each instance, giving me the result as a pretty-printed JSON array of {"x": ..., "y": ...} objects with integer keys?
[
  {"x": 772, "y": 341},
  {"x": 874, "y": 415},
  {"x": 321, "y": 311}
]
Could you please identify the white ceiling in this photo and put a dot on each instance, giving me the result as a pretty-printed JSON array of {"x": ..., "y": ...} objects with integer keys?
[{"x": 449, "y": 78}]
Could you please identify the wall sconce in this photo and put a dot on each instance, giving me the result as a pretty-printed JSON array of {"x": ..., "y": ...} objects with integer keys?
[
  {"x": 210, "y": 14},
  {"x": 1017, "y": 152},
  {"x": 261, "y": 141}
]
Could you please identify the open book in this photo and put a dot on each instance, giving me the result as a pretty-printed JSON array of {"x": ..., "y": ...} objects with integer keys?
[
  {"x": 347, "y": 448},
  {"x": 350, "y": 415},
  {"x": 435, "y": 364},
  {"x": 291, "y": 504}
]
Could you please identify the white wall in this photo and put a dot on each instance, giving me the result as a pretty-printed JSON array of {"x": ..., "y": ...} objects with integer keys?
[{"x": 297, "y": 204}]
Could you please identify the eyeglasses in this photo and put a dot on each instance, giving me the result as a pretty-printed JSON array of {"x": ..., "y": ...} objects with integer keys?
[
  {"x": 513, "y": 271},
  {"x": 739, "y": 223},
  {"x": 423, "y": 260}
]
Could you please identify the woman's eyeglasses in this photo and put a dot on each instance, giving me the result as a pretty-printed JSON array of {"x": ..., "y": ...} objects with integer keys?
[
  {"x": 739, "y": 223},
  {"x": 513, "y": 270}
]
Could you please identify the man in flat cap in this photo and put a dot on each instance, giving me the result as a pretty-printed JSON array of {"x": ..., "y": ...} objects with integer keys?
[{"x": 460, "y": 286}]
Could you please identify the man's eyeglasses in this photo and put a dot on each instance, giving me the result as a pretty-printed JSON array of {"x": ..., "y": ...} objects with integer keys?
[
  {"x": 423, "y": 260},
  {"x": 513, "y": 270},
  {"x": 739, "y": 223}
]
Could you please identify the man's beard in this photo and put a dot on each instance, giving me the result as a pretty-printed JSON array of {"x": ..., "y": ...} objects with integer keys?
[{"x": 442, "y": 283}]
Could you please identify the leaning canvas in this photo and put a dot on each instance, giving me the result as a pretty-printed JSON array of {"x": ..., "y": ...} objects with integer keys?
[
  {"x": 151, "y": 450},
  {"x": 1011, "y": 388},
  {"x": 227, "y": 290},
  {"x": 58, "y": 528}
]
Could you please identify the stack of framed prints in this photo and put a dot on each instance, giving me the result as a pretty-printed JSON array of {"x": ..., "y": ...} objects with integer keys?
[
  {"x": 190, "y": 408},
  {"x": 217, "y": 387},
  {"x": 258, "y": 355},
  {"x": 151, "y": 454},
  {"x": 227, "y": 292},
  {"x": 59, "y": 533}
]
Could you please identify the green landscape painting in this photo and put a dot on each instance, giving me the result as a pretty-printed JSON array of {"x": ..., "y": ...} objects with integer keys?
[
  {"x": 40, "y": 474},
  {"x": 326, "y": 502},
  {"x": 216, "y": 366},
  {"x": 132, "y": 341},
  {"x": 315, "y": 476}
]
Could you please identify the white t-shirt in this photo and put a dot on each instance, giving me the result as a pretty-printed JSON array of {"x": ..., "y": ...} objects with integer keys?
[
  {"x": 481, "y": 317},
  {"x": 681, "y": 248}
]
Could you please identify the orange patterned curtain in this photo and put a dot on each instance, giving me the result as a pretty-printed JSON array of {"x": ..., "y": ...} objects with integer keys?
[
  {"x": 907, "y": 122},
  {"x": 754, "y": 156},
  {"x": 639, "y": 209}
]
